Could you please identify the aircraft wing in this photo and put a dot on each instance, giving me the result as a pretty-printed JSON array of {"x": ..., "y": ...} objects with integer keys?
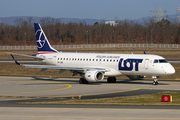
[
  {"x": 55, "y": 67},
  {"x": 26, "y": 56},
  {"x": 62, "y": 68}
]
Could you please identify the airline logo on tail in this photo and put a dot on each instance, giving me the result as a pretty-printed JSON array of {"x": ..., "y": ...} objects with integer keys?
[
  {"x": 43, "y": 44},
  {"x": 41, "y": 40}
]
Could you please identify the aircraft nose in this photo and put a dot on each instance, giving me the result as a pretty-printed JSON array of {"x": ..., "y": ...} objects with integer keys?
[{"x": 170, "y": 70}]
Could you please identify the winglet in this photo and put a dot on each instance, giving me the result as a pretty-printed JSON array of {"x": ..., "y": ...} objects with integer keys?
[
  {"x": 15, "y": 60},
  {"x": 144, "y": 52}
]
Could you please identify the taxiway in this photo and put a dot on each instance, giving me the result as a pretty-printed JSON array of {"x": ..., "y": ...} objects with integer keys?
[{"x": 29, "y": 89}]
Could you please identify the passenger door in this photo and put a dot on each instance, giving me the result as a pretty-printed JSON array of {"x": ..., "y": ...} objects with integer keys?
[{"x": 146, "y": 63}]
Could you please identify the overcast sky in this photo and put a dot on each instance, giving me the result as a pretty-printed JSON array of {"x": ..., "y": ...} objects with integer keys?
[{"x": 92, "y": 9}]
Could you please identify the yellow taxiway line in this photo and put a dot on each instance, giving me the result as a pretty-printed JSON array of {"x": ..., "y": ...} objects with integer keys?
[
  {"x": 31, "y": 116},
  {"x": 69, "y": 86}
]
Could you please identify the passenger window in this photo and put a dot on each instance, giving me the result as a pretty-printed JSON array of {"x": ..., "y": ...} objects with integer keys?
[
  {"x": 155, "y": 61},
  {"x": 89, "y": 59},
  {"x": 96, "y": 59},
  {"x": 66, "y": 58}
]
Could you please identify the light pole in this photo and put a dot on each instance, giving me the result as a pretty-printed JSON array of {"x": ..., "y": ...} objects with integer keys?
[
  {"x": 87, "y": 36},
  {"x": 151, "y": 37},
  {"x": 25, "y": 40}
]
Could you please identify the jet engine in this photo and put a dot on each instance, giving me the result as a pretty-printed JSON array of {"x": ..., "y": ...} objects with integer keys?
[
  {"x": 94, "y": 76},
  {"x": 136, "y": 77}
]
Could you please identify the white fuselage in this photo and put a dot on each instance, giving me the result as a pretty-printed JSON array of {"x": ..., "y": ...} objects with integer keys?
[{"x": 114, "y": 64}]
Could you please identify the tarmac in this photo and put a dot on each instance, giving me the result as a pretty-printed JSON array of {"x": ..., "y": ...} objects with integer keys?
[{"x": 29, "y": 89}]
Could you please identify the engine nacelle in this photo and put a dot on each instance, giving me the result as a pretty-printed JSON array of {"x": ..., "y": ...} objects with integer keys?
[
  {"x": 135, "y": 77},
  {"x": 94, "y": 76}
]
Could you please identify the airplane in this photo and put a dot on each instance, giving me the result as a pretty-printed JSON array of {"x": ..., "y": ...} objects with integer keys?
[{"x": 93, "y": 67}]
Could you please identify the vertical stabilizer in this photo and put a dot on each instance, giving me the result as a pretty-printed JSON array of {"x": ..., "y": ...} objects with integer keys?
[{"x": 43, "y": 44}]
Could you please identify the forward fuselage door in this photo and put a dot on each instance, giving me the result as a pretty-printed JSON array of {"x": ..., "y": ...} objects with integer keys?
[{"x": 146, "y": 63}]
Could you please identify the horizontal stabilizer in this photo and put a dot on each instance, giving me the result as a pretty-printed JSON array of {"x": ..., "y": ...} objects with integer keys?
[{"x": 26, "y": 55}]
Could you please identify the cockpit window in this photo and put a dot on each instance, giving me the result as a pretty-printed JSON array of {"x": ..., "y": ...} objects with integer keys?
[
  {"x": 155, "y": 61},
  {"x": 163, "y": 61}
]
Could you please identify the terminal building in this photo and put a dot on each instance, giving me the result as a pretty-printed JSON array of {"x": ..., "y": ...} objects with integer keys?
[{"x": 111, "y": 23}]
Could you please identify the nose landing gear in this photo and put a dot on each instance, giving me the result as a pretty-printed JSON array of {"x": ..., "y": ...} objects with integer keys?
[{"x": 155, "y": 80}]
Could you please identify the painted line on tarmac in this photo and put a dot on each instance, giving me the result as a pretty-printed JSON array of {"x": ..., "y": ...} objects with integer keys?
[
  {"x": 110, "y": 92},
  {"x": 160, "y": 89},
  {"x": 174, "y": 85},
  {"x": 91, "y": 108},
  {"x": 63, "y": 97},
  {"x": 69, "y": 97},
  {"x": 105, "y": 93},
  {"x": 41, "y": 81},
  {"x": 23, "y": 97},
  {"x": 69, "y": 86},
  {"x": 16, "y": 99},
  {"x": 32, "y": 116}
]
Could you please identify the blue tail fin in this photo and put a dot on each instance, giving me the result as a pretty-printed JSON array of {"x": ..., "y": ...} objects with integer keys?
[{"x": 43, "y": 44}]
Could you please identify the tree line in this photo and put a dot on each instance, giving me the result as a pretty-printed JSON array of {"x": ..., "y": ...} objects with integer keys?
[{"x": 127, "y": 31}]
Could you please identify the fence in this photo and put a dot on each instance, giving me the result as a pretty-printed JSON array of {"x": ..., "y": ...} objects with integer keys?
[{"x": 34, "y": 47}]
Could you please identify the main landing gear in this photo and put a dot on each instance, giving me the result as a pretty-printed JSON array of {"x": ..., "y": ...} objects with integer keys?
[
  {"x": 111, "y": 79},
  {"x": 155, "y": 80},
  {"x": 83, "y": 81}
]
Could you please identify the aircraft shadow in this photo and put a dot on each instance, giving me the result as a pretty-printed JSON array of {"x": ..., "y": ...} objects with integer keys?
[
  {"x": 139, "y": 82},
  {"x": 126, "y": 81}
]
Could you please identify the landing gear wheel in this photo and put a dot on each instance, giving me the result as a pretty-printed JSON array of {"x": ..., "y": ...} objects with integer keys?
[
  {"x": 155, "y": 80},
  {"x": 155, "y": 83},
  {"x": 83, "y": 81},
  {"x": 111, "y": 80}
]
